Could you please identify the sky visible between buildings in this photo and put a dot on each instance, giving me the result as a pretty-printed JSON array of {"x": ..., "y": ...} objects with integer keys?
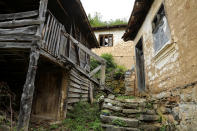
[{"x": 109, "y": 9}]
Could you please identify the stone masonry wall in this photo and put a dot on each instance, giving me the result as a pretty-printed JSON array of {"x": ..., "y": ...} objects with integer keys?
[{"x": 171, "y": 74}]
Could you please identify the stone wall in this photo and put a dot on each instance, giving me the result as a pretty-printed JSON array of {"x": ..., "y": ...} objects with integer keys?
[
  {"x": 172, "y": 72},
  {"x": 123, "y": 53}
]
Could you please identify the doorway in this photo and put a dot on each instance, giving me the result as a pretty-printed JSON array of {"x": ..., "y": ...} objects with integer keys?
[{"x": 140, "y": 65}]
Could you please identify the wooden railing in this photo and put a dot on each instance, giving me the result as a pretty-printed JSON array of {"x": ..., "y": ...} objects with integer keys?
[{"x": 60, "y": 44}]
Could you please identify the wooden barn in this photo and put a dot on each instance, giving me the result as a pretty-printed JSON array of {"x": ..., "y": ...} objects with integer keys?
[{"x": 45, "y": 52}]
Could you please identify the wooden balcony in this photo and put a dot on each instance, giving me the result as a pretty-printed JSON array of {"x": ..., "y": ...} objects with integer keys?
[{"x": 26, "y": 29}]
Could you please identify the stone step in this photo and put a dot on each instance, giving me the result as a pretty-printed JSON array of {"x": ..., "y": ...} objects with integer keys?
[
  {"x": 148, "y": 117},
  {"x": 133, "y": 101},
  {"x": 111, "y": 107},
  {"x": 126, "y": 122},
  {"x": 150, "y": 127},
  {"x": 117, "y": 128}
]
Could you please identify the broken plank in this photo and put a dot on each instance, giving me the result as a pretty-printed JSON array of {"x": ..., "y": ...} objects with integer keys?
[{"x": 20, "y": 15}]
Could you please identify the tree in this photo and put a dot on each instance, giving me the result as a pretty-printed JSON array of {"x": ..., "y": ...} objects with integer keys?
[{"x": 96, "y": 21}]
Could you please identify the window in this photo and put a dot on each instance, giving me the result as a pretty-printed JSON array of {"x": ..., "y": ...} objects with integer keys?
[
  {"x": 106, "y": 40},
  {"x": 161, "y": 31}
]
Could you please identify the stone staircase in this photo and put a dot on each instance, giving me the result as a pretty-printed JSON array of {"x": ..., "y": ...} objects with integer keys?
[{"x": 129, "y": 115}]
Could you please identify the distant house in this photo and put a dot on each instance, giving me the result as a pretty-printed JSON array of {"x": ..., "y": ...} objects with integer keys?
[
  {"x": 165, "y": 43},
  {"x": 109, "y": 35},
  {"x": 110, "y": 41}
]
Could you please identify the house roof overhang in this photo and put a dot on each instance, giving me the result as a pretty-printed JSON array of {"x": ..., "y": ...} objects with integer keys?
[
  {"x": 138, "y": 15},
  {"x": 108, "y": 27}
]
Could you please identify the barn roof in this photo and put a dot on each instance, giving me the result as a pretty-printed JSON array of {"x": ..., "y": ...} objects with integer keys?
[{"x": 138, "y": 15}]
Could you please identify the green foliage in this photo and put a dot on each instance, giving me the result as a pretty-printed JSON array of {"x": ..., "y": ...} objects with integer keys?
[
  {"x": 119, "y": 72},
  {"x": 83, "y": 117},
  {"x": 149, "y": 105},
  {"x": 111, "y": 65},
  {"x": 125, "y": 97},
  {"x": 163, "y": 128},
  {"x": 119, "y": 122},
  {"x": 95, "y": 21}
]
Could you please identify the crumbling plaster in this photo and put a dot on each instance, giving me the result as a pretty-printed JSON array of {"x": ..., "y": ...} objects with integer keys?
[{"x": 175, "y": 65}]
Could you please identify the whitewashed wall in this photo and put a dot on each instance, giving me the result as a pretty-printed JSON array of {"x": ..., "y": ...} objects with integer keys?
[{"x": 117, "y": 34}]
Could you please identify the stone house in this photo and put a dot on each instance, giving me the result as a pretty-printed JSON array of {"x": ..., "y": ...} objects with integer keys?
[
  {"x": 164, "y": 37},
  {"x": 110, "y": 41}
]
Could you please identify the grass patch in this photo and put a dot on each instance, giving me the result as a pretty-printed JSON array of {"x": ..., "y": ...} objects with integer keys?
[
  {"x": 119, "y": 122},
  {"x": 84, "y": 117},
  {"x": 125, "y": 97}
]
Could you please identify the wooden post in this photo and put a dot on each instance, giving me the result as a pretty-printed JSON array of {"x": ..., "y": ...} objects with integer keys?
[
  {"x": 28, "y": 91},
  {"x": 102, "y": 82}
]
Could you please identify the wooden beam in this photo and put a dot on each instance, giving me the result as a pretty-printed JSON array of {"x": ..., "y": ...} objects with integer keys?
[
  {"x": 28, "y": 91},
  {"x": 81, "y": 46},
  {"x": 15, "y": 16},
  {"x": 94, "y": 71},
  {"x": 22, "y": 45},
  {"x": 102, "y": 82},
  {"x": 16, "y": 38},
  {"x": 21, "y": 22},
  {"x": 29, "y": 30}
]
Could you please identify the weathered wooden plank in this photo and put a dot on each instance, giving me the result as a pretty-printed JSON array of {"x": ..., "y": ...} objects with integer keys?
[
  {"x": 47, "y": 28},
  {"x": 29, "y": 30},
  {"x": 52, "y": 36},
  {"x": 75, "y": 95},
  {"x": 22, "y": 45},
  {"x": 49, "y": 37},
  {"x": 21, "y": 22},
  {"x": 15, "y": 16},
  {"x": 19, "y": 38},
  {"x": 58, "y": 41},
  {"x": 28, "y": 91},
  {"x": 94, "y": 71},
  {"x": 72, "y": 84},
  {"x": 81, "y": 46},
  {"x": 91, "y": 97},
  {"x": 75, "y": 80},
  {"x": 102, "y": 81},
  {"x": 74, "y": 100},
  {"x": 77, "y": 90},
  {"x": 84, "y": 88}
]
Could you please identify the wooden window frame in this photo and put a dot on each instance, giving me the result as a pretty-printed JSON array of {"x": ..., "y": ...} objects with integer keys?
[
  {"x": 106, "y": 36},
  {"x": 156, "y": 24}
]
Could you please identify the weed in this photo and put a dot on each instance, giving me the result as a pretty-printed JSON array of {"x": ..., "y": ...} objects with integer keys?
[
  {"x": 125, "y": 97},
  {"x": 119, "y": 122}
]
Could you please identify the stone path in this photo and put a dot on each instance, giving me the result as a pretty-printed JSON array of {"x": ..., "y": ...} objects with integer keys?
[{"x": 129, "y": 115}]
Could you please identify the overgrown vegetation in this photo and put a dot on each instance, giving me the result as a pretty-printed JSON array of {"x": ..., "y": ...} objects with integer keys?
[
  {"x": 125, "y": 97},
  {"x": 96, "y": 21},
  {"x": 114, "y": 73},
  {"x": 83, "y": 117},
  {"x": 119, "y": 122}
]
